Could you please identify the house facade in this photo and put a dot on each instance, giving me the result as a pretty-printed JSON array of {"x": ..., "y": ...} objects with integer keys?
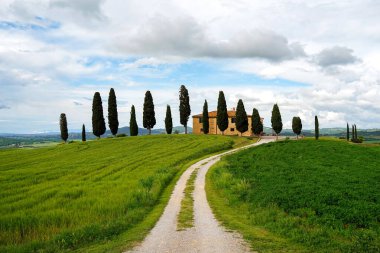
[{"x": 213, "y": 127}]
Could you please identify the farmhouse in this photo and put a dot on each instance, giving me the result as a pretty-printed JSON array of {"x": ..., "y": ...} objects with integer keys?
[{"x": 231, "y": 130}]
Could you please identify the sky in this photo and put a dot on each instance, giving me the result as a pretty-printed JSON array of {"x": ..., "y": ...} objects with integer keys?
[{"x": 316, "y": 57}]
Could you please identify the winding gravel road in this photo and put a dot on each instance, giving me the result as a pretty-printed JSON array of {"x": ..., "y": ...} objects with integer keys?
[{"x": 206, "y": 235}]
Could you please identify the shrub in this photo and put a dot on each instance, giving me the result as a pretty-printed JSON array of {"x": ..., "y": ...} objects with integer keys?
[{"x": 121, "y": 135}]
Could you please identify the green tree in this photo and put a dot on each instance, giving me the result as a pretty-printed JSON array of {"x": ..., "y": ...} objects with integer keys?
[
  {"x": 353, "y": 133},
  {"x": 316, "y": 127},
  {"x": 297, "y": 125},
  {"x": 63, "y": 127},
  {"x": 348, "y": 132},
  {"x": 113, "y": 121},
  {"x": 205, "y": 119},
  {"x": 83, "y": 133},
  {"x": 222, "y": 114},
  {"x": 149, "y": 119},
  {"x": 184, "y": 106},
  {"x": 276, "y": 120},
  {"x": 356, "y": 132},
  {"x": 241, "y": 118},
  {"x": 98, "y": 124},
  {"x": 168, "y": 120},
  {"x": 133, "y": 127},
  {"x": 256, "y": 124}
]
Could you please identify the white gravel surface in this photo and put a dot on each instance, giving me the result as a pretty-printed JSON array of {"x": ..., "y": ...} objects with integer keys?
[{"x": 207, "y": 235}]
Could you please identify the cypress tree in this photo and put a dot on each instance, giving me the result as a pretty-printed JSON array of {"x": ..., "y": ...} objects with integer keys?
[
  {"x": 316, "y": 128},
  {"x": 149, "y": 119},
  {"x": 222, "y": 115},
  {"x": 83, "y": 133},
  {"x": 256, "y": 125},
  {"x": 205, "y": 120},
  {"x": 353, "y": 133},
  {"x": 184, "y": 106},
  {"x": 297, "y": 125},
  {"x": 113, "y": 121},
  {"x": 98, "y": 124},
  {"x": 168, "y": 120},
  {"x": 276, "y": 120},
  {"x": 63, "y": 127},
  {"x": 133, "y": 127},
  {"x": 348, "y": 132},
  {"x": 356, "y": 132},
  {"x": 241, "y": 118}
]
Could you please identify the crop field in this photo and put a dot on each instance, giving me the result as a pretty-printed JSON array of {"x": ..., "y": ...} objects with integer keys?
[
  {"x": 301, "y": 196},
  {"x": 92, "y": 196}
]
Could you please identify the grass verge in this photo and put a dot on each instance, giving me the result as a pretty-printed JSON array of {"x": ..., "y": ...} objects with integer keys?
[{"x": 185, "y": 217}]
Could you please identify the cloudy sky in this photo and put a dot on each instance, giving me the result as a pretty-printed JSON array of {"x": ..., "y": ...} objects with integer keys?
[{"x": 316, "y": 57}]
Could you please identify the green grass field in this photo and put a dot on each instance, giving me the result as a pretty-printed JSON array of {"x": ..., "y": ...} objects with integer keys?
[
  {"x": 95, "y": 196},
  {"x": 301, "y": 196}
]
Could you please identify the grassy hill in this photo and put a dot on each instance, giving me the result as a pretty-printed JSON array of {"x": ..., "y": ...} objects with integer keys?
[
  {"x": 98, "y": 196},
  {"x": 301, "y": 196}
]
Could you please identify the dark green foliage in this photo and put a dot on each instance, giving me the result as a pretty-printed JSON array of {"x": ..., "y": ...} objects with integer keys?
[
  {"x": 297, "y": 125},
  {"x": 348, "y": 132},
  {"x": 133, "y": 127},
  {"x": 184, "y": 106},
  {"x": 276, "y": 119},
  {"x": 205, "y": 119},
  {"x": 222, "y": 115},
  {"x": 63, "y": 127},
  {"x": 121, "y": 135},
  {"x": 149, "y": 119},
  {"x": 98, "y": 124},
  {"x": 353, "y": 132},
  {"x": 356, "y": 132},
  {"x": 113, "y": 121},
  {"x": 257, "y": 125},
  {"x": 168, "y": 120},
  {"x": 316, "y": 128},
  {"x": 241, "y": 118},
  {"x": 83, "y": 133},
  {"x": 310, "y": 193}
]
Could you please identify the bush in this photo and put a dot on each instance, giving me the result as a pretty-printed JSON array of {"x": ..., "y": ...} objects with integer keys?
[{"x": 121, "y": 135}]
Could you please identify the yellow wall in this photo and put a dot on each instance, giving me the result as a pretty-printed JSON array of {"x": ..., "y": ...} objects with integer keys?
[{"x": 214, "y": 129}]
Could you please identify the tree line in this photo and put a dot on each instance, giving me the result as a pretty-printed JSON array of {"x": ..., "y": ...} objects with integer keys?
[{"x": 149, "y": 119}]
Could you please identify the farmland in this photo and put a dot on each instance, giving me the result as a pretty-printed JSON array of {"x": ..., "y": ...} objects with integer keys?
[
  {"x": 301, "y": 196},
  {"x": 98, "y": 196}
]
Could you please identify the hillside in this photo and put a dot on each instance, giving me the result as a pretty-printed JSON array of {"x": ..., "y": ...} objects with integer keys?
[
  {"x": 310, "y": 196},
  {"x": 101, "y": 194}
]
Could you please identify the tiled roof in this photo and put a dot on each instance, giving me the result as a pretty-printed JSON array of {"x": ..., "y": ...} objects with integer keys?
[{"x": 213, "y": 114}]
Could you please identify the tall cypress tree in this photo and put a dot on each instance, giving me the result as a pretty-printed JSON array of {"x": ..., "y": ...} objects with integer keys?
[
  {"x": 83, "y": 133},
  {"x": 316, "y": 128},
  {"x": 149, "y": 119},
  {"x": 356, "y": 132},
  {"x": 205, "y": 119},
  {"x": 133, "y": 127},
  {"x": 63, "y": 127},
  {"x": 221, "y": 114},
  {"x": 168, "y": 120},
  {"x": 184, "y": 106},
  {"x": 297, "y": 125},
  {"x": 353, "y": 133},
  {"x": 241, "y": 118},
  {"x": 276, "y": 120},
  {"x": 113, "y": 121},
  {"x": 98, "y": 124},
  {"x": 256, "y": 125},
  {"x": 348, "y": 132}
]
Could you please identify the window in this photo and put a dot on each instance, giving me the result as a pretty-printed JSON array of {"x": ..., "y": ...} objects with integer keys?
[
  {"x": 232, "y": 129},
  {"x": 200, "y": 120},
  {"x": 201, "y": 129},
  {"x": 233, "y": 120}
]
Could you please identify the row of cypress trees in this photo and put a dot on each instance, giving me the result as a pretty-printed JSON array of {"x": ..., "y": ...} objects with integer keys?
[{"x": 149, "y": 119}]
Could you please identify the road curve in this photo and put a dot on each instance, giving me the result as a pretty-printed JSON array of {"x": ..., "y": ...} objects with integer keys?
[{"x": 207, "y": 235}]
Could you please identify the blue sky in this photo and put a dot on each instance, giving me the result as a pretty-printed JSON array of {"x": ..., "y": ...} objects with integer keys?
[{"x": 54, "y": 54}]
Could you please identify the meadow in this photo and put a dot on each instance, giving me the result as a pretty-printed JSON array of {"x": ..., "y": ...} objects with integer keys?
[
  {"x": 301, "y": 196},
  {"x": 96, "y": 196}
]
